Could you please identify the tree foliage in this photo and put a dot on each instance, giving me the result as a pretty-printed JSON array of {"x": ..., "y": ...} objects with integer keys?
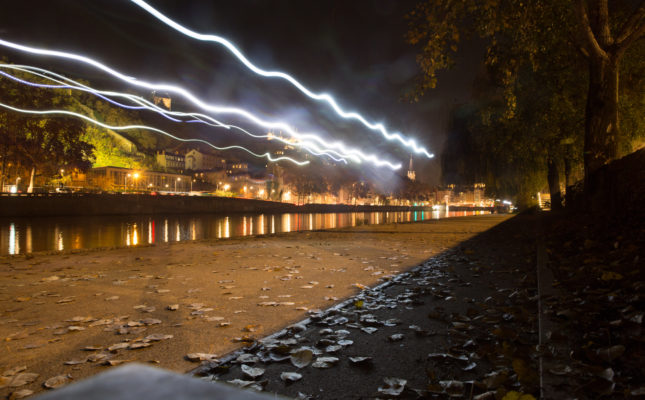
[
  {"x": 47, "y": 144},
  {"x": 530, "y": 117},
  {"x": 41, "y": 145}
]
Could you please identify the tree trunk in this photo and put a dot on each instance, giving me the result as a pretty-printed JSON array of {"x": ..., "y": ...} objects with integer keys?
[
  {"x": 553, "y": 177},
  {"x": 567, "y": 180},
  {"x": 4, "y": 164},
  {"x": 601, "y": 117},
  {"x": 30, "y": 189}
]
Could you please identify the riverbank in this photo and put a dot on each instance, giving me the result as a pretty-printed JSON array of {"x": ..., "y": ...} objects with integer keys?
[
  {"x": 84, "y": 204},
  {"x": 160, "y": 303},
  {"x": 541, "y": 306}
]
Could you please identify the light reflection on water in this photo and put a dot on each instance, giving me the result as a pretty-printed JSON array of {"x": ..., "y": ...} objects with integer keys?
[{"x": 27, "y": 235}]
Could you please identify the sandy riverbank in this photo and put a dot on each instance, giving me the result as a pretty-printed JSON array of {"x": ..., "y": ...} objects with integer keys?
[{"x": 54, "y": 306}]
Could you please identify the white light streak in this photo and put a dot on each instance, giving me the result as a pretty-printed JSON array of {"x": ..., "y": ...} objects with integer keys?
[
  {"x": 410, "y": 143},
  {"x": 67, "y": 83},
  {"x": 149, "y": 128},
  {"x": 354, "y": 154}
]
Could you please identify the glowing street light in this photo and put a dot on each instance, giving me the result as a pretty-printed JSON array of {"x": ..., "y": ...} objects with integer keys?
[
  {"x": 177, "y": 180},
  {"x": 227, "y": 187},
  {"x": 135, "y": 176}
]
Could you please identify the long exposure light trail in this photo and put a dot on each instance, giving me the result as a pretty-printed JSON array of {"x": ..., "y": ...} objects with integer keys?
[
  {"x": 67, "y": 83},
  {"x": 351, "y": 152},
  {"x": 410, "y": 143},
  {"x": 149, "y": 128}
]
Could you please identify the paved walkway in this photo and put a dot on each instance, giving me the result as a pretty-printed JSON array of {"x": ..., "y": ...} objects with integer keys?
[{"x": 464, "y": 323}]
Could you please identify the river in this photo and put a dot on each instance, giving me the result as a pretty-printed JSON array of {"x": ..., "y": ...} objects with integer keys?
[{"x": 28, "y": 235}]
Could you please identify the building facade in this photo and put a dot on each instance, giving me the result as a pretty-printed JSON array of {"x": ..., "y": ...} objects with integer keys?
[
  {"x": 197, "y": 161},
  {"x": 171, "y": 161},
  {"x": 126, "y": 179}
]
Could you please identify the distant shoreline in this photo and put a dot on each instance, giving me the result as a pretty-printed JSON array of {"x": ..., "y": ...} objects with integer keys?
[{"x": 58, "y": 205}]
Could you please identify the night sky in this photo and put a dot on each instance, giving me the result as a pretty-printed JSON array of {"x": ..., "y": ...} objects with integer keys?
[{"x": 354, "y": 50}]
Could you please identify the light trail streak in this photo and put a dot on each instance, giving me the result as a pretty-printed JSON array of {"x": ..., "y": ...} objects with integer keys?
[
  {"x": 145, "y": 104},
  {"x": 355, "y": 154},
  {"x": 410, "y": 143},
  {"x": 149, "y": 128}
]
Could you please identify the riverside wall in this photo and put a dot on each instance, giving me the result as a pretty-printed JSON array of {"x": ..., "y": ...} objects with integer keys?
[{"x": 49, "y": 205}]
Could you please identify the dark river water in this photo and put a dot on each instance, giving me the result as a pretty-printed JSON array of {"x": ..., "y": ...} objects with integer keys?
[{"x": 27, "y": 235}]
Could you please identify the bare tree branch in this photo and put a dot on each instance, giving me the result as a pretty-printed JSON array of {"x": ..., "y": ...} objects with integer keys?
[
  {"x": 638, "y": 33},
  {"x": 631, "y": 27},
  {"x": 587, "y": 33},
  {"x": 602, "y": 30}
]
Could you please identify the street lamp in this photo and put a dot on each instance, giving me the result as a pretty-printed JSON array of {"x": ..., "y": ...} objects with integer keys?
[
  {"x": 177, "y": 180},
  {"x": 14, "y": 189},
  {"x": 136, "y": 176}
]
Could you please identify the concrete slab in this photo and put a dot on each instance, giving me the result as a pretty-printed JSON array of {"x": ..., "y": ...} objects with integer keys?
[{"x": 137, "y": 381}]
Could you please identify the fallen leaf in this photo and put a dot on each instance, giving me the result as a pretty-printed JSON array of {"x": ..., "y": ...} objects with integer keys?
[
  {"x": 333, "y": 348},
  {"x": 324, "y": 362},
  {"x": 360, "y": 360},
  {"x": 393, "y": 386},
  {"x": 301, "y": 357},
  {"x": 14, "y": 370},
  {"x": 290, "y": 376},
  {"x": 396, "y": 337},
  {"x": 113, "y": 363},
  {"x": 139, "y": 345},
  {"x": 241, "y": 383},
  {"x": 75, "y": 362},
  {"x": 118, "y": 346},
  {"x": 251, "y": 372},
  {"x": 611, "y": 276},
  {"x": 57, "y": 381},
  {"x": 453, "y": 388},
  {"x": 20, "y": 394},
  {"x": 195, "y": 357},
  {"x": 144, "y": 308},
  {"x": 247, "y": 358},
  {"x": 611, "y": 353},
  {"x": 513, "y": 395},
  {"x": 97, "y": 357},
  {"x": 22, "y": 379},
  {"x": 155, "y": 337}
]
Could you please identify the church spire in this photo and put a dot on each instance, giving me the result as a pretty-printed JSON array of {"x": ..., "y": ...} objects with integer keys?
[{"x": 411, "y": 174}]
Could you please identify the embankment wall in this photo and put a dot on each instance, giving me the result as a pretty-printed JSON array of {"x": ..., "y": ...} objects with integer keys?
[{"x": 42, "y": 205}]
